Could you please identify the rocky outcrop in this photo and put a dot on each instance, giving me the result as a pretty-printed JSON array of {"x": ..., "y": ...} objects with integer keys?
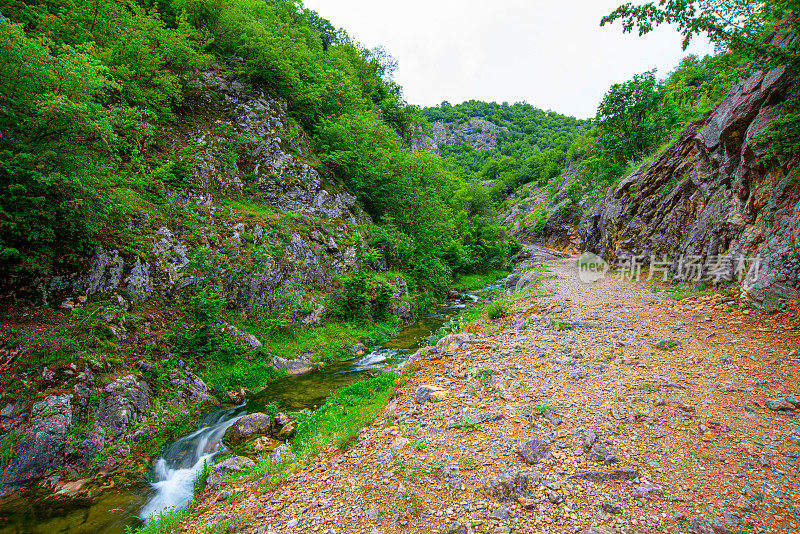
[
  {"x": 708, "y": 206},
  {"x": 536, "y": 215},
  {"x": 251, "y": 149},
  {"x": 478, "y": 133},
  {"x": 67, "y": 432},
  {"x": 125, "y": 402},
  {"x": 40, "y": 446}
]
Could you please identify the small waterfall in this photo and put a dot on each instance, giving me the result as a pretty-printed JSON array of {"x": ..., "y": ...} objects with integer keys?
[
  {"x": 182, "y": 462},
  {"x": 374, "y": 360}
]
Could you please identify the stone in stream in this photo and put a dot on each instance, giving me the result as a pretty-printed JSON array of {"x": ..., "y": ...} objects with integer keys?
[
  {"x": 299, "y": 365},
  {"x": 248, "y": 427},
  {"x": 534, "y": 451}
]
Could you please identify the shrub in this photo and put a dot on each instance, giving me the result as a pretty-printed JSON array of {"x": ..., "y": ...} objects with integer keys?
[{"x": 496, "y": 309}]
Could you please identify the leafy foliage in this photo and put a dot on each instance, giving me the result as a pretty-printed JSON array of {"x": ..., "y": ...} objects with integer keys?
[{"x": 743, "y": 28}]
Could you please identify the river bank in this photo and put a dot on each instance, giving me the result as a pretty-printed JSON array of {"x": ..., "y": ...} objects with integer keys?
[
  {"x": 113, "y": 505},
  {"x": 569, "y": 414}
]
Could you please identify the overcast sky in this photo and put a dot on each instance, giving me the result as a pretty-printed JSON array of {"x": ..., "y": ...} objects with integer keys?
[{"x": 552, "y": 54}]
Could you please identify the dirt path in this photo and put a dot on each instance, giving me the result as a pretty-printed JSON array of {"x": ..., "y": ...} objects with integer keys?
[{"x": 620, "y": 436}]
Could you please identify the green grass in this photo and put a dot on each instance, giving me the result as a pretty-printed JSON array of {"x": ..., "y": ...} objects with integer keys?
[
  {"x": 165, "y": 523},
  {"x": 496, "y": 309},
  {"x": 667, "y": 344},
  {"x": 471, "y": 282},
  {"x": 648, "y": 386},
  {"x": 468, "y": 424},
  {"x": 344, "y": 414},
  {"x": 7, "y": 447},
  {"x": 468, "y": 463},
  {"x": 329, "y": 342},
  {"x": 252, "y": 209},
  {"x": 222, "y": 378}
]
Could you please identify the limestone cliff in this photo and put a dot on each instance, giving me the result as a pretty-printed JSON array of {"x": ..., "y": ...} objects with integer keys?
[
  {"x": 477, "y": 133},
  {"x": 709, "y": 198}
]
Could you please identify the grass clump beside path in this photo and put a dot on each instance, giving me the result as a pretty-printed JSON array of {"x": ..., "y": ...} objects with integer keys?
[{"x": 344, "y": 414}]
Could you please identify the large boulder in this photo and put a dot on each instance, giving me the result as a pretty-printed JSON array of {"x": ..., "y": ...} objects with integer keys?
[
  {"x": 248, "y": 427},
  {"x": 299, "y": 365}
]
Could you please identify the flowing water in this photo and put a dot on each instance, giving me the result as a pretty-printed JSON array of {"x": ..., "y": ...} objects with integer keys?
[{"x": 174, "y": 472}]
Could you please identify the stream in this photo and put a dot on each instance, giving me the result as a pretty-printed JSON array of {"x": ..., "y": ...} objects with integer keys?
[{"x": 171, "y": 479}]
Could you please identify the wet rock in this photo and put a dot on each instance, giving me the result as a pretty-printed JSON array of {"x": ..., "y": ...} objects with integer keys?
[
  {"x": 430, "y": 393},
  {"x": 534, "y": 451},
  {"x": 287, "y": 432},
  {"x": 248, "y": 427},
  {"x": 219, "y": 472},
  {"x": 299, "y": 365}
]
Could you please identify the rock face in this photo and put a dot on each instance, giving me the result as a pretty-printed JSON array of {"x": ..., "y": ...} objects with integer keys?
[
  {"x": 125, "y": 403},
  {"x": 251, "y": 148},
  {"x": 478, "y": 133},
  {"x": 41, "y": 445},
  {"x": 708, "y": 199}
]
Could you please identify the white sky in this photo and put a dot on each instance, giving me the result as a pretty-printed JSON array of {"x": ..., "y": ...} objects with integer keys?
[{"x": 552, "y": 54}]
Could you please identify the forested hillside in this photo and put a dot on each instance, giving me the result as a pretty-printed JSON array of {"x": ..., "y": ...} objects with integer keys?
[
  {"x": 193, "y": 194},
  {"x": 90, "y": 89},
  {"x": 535, "y": 145}
]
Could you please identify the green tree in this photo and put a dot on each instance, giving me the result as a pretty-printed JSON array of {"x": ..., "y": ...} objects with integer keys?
[
  {"x": 53, "y": 133},
  {"x": 632, "y": 118},
  {"x": 743, "y": 28}
]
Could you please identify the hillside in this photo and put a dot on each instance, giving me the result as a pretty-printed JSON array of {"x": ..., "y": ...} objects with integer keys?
[
  {"x": 501, "y": 145},
  {"x": 177, "y": 241},
  {"x": 246, "y": 287}
]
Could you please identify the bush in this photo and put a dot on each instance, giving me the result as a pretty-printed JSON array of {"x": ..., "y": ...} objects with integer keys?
[{"x": 496, "y": 309}]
